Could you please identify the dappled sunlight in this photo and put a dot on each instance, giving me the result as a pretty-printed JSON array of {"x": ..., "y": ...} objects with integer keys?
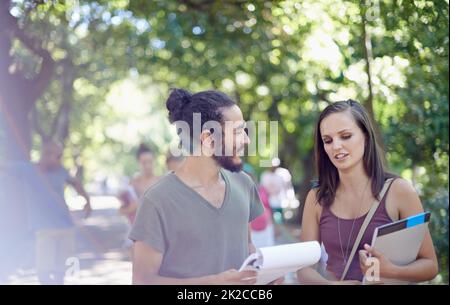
[
  {"x": 76, "y": 203},
  {"x": 92, "y": 79}
]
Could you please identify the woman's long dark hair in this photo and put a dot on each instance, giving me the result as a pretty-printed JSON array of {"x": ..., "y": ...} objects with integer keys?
[
  {"x": 142, "y": 149},
  {"x": 373, "y": 162}
]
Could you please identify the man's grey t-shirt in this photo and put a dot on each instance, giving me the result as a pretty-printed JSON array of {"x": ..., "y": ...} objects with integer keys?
[{"x": 196, "y": 238}]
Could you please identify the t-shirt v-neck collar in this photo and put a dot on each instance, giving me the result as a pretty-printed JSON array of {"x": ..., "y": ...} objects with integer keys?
[{"x": 203, "y": 199}]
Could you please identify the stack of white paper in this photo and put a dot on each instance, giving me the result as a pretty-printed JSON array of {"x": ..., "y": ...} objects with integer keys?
[{"x": 275, "y": 262}]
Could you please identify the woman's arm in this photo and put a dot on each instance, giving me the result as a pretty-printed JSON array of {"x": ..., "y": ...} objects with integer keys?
[
  {"x": 131, "y": 208},
  {"x": 309, "y": 232},
  {"x": 134, "y": 200},
  {"x": 425, "y": 268}
]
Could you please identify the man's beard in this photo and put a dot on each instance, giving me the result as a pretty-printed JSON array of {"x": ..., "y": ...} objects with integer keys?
[{"x": 227, "y": 163}]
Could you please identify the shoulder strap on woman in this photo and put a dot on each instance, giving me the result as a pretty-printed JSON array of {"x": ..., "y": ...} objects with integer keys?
[{"x": 366, "y": 222}]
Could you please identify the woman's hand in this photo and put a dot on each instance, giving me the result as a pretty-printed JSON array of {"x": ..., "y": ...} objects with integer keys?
[
  {"x": 386, "y": 268},
  {"x": 123, "y": 210}
]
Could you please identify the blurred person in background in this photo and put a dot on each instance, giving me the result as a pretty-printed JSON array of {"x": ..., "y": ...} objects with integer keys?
[
  {"x": 277, "y": 181},
  {"x": 129, "y": 196},
  {"x": 50, "y": 217},
  {"x": 262, "y": 226}
]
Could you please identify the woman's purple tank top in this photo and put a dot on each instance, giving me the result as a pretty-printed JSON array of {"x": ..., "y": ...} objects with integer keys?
[{"x": 330, "y": 238}]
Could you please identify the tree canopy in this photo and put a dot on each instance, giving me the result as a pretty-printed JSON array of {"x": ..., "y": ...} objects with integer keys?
[{"x": 95, "y": 75}]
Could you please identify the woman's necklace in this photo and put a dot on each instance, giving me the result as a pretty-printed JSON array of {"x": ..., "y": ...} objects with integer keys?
[{"x": 345, "y": 257}]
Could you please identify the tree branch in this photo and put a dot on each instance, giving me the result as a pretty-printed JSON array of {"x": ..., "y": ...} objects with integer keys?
[
  {"x": 368, "y": 57},
  {"x": 199, "y": 6},
  {"x": 41, "y": 81},
  {"x": 68, "y": 76},
  {"x": 37, "y": 127},
  {"x": 367, "y": 46}
]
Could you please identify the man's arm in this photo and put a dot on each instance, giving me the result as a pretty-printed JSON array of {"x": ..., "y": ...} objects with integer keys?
[
  {"x": 147, "y": 262},
  {"x": 251, "y": 246},
  {"x": 82, "y": 192}
]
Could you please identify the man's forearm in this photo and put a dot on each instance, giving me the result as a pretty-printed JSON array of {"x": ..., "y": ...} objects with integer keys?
[
  {"x": 161, "y": 280},
  {"x": 84, "y": 194},
  {"x": 80, "y": 189}
]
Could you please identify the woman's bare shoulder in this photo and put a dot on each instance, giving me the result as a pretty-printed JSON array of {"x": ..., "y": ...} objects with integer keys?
[
  {"x": 404, "y": 197},
  {"x": 402, "y": 188}
]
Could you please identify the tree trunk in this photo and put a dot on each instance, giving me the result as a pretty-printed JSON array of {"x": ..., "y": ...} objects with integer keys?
[
  {"x": 18, "y": 95},
  {"x": 368, "y": 57}
]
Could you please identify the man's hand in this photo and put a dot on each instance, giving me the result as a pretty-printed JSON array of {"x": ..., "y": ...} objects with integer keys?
[
  {"x": 348, "y": 282},
  {"x": 81, "y": 191},
  {"x": 278, "y": 281},
  {"x": 234, "y": 277}
]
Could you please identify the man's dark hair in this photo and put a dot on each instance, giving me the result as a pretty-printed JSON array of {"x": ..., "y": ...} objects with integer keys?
[{"x": 182, "y": 105}]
